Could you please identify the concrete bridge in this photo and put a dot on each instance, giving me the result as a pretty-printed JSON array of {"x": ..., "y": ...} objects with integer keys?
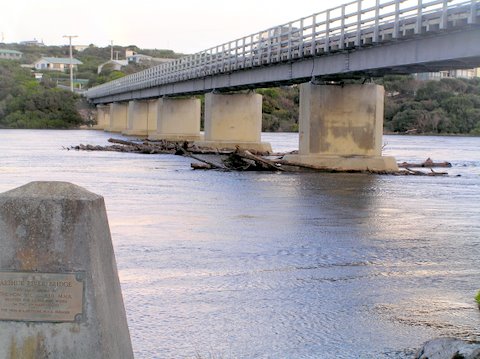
[{"x": 340, "y": 126}]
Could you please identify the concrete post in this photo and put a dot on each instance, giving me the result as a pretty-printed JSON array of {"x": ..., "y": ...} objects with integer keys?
[
  {"x": 341, "y": 127},
  {"x": 137, "y": 118},
  {"x": 103, "y": 117},
  {"x": 152, "y": 117},
  {"x": 107, "y": 118},
  {"x": 178, "y": 119},
  {"x": 233, "y": 120},
  {"x": 60, "y": 296},
  {"x": 118, "y": 117}
]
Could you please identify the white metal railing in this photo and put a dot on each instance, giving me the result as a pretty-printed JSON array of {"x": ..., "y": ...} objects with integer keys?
[{"x": 355, "y": 24}]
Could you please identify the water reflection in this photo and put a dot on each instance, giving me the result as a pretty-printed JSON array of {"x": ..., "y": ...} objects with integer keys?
[{"x": 255, "y": 265}]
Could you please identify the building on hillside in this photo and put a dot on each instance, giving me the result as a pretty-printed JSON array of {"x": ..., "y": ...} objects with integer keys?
[
  {"x": 133, "y": 57},
  {"x": 33, "y": 42},
  {"x": 138, "y": 58},
  {"x": 463, "y": 73},
  {"x": 458, "y": 74},
  {"x": 10, "y": 54},
  {"x": 56, "y": 63},
  {"x": 115, "y": 64},
  {"x": 80, "y": 48}
]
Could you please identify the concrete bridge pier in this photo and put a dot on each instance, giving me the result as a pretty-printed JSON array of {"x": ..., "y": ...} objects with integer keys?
[
  {"x": 233, "y": 120},
  {"x": 118, "y": 117},
  {"x": 152, "y": 117},
  {"x": 103, "y": 117},
  {"x": 177, "y": 119},
  {"x": 137, "y": 119},
  {"x": 341, "y": 127}
]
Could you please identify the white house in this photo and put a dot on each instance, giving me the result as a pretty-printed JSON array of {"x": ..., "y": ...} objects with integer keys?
[{"x": 56, "y": 63}]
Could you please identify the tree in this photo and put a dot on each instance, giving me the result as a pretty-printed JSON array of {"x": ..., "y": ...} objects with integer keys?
[{"x": 25, "y": 103}]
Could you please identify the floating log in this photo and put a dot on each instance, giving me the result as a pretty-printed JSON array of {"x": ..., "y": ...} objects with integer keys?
[
  {"x": 200, "y": 166},
  {"x": 409, "y": 171},
  {"x": 267, "y": 163},
  {"x": 429, "y": 163},
  {"x": 211, "y": 164},
  {"x": 123, "y": 142}
]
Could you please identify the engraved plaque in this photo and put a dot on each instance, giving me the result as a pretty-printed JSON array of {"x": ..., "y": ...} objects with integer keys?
[{"x": 41, "y": 297}]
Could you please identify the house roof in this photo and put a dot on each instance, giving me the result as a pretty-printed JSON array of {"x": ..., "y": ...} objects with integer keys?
[
  {"x": 61, "y": 60},
  {"x": 6, "y": 51}
]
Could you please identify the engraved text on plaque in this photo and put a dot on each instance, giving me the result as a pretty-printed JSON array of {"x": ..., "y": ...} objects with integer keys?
[{"x": 41, "y": 297}]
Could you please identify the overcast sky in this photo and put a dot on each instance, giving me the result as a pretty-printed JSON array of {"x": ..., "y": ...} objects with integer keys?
[{"x": 186, "y": 26}]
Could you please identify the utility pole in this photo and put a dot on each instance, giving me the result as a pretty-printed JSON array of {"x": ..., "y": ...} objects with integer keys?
[
  {"x": 71, "y": 60},
  {"x": 111, "y": 50}
]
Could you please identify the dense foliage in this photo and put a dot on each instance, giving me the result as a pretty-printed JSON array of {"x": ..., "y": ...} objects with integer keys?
[
  {"x": 448, "y": 106},
  {"x": 280, "y": 109},
  {"x": 26, "y": 103}
]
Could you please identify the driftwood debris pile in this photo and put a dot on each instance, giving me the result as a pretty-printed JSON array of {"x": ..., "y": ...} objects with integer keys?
[
  {"x": 148, "y": 147},
  {"x": 428, "y": 163},
  {"x": 241, "y": 160}
]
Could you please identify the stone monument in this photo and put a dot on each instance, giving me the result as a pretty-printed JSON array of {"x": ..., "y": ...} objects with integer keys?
[{"x": 60, "y": 295}]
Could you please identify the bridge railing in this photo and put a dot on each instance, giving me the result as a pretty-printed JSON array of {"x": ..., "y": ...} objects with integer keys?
[{"x": 356, "y": 24}]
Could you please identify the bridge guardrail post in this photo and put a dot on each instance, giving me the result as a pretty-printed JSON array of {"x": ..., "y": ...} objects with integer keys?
[
  {"x": 341, "y": 45},
  {"x": 377, "y": 21},
  {"x": 472, "y": 19},
  {"x": 444, "y": 19},
  {"x": 314, "y": 35},
  {"x": 359, "y": 24},
  {"x": 418, "y": 25},
  {"x": 326, "y": 45},
  {"x": 300, "y": 49},
  {"x": 397, "y": 19}
]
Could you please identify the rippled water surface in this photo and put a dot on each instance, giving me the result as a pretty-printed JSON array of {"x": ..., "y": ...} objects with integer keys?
[{"x": 265, "y": 265}]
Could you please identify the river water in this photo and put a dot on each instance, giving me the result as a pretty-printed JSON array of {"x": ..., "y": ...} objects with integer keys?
[{"x": 268, "y": 265}]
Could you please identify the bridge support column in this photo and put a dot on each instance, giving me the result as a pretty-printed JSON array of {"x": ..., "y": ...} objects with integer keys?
[
  {"x": 137, "y": 119},
  {"x": 233, "y": 120},
  {"x": 103, "y": 117},
  {"x": 178, "y": 119},
  {"x": 152, "y": 117},
  {"x": 118, "y": 117},
  {"x": 341, "y": 127}
]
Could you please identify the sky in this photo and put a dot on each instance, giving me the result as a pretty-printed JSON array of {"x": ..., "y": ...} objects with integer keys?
[{"x": 186, "y": 26}]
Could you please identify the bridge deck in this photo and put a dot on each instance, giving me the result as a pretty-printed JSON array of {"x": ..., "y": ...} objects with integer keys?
[{"x": 355, "y": 39}]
